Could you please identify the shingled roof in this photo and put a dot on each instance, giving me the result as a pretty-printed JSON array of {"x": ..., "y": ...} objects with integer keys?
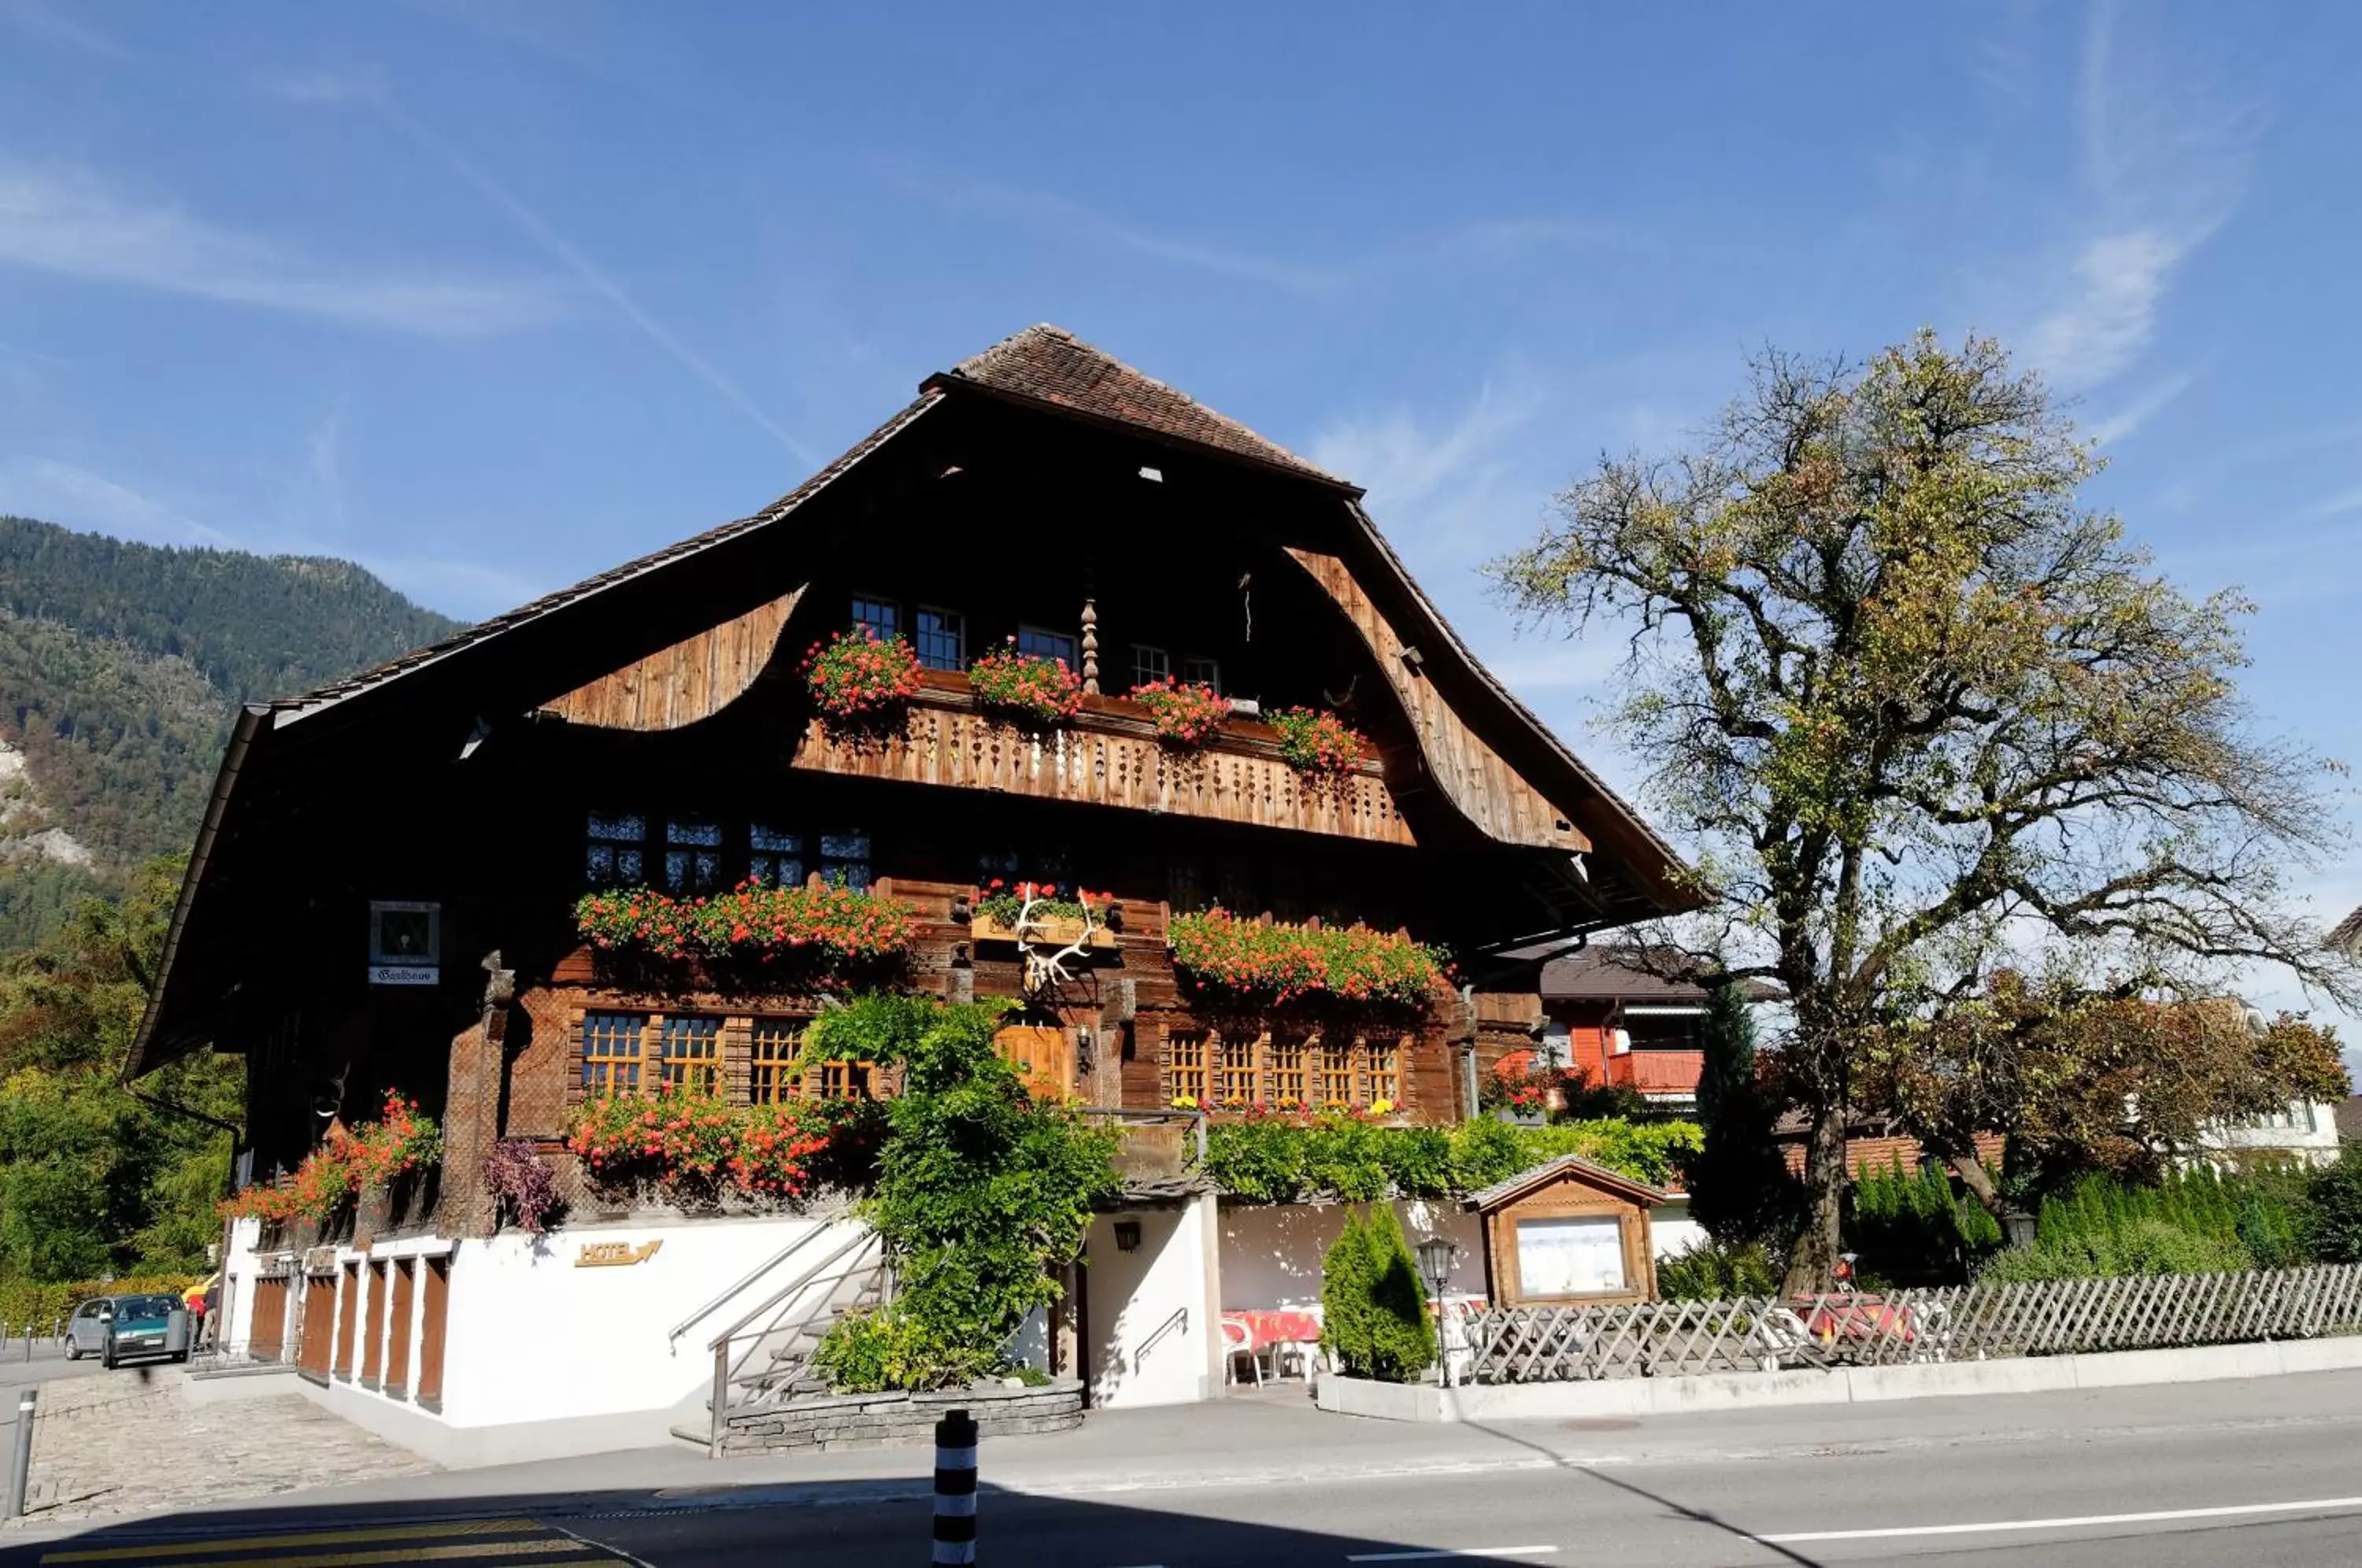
[
  {"x": 1049, "y": 364},
  {"x": 2345, "y": 936}
]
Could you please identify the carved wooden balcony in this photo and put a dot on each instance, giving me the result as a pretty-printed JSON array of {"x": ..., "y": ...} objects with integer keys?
[{"x": 1110, "y": 755}]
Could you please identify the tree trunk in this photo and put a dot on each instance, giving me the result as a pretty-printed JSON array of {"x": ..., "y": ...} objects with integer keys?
[
  {"x": 1977, "y": 1179},
  {"x": 1812, "y": 1263}
]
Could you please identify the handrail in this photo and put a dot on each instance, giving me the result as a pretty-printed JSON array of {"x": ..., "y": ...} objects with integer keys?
[
  {"x": 774, "y": 1261},
  {"x": 1178, "y": 1323},
  {"x": 1127, "y": 1113},
  {"x": 861, "y": 1237}
]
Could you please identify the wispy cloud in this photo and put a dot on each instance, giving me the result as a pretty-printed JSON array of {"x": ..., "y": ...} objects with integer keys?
[
  {"x": 1088, "y": 225},
  {"x": 2337, "y": 505},
  {"x": 2162, "y": 156},
  {"x": 70, "y": 224},
  {"x": 2122, "y": 423},
  {"x": 76, "y": 497},
  {"x": 331, "y": 91},
  {"x": 56, "y": 26},
  {"x": 1403, "y": 461}
]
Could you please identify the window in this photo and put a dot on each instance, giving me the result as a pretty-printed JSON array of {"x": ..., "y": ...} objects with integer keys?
[
  {"x": 1201, "y": 671},
  {"x": 1237, "y": 893},
  {"x": 1185, "y": 889},
  {"x": 1336, "y": 1072},
  {"x": 1662, "y": 1029},
  {"x": 1004, "y": 864},
  {"x": 880, "y": 615},
  {"x": 1385, "y": 1060},
  {"x": 844, "y": 860},
  {"x": 1149, "y": 664},
  {"x": 844, "y": 1080},
  {"x": 692, "y": 1053},
  {"x": 942, "y": 640},
  {"x": 1046, "y": 645},
  {"x": 611, "y": 1053},
  {"x": 1282, "y": 1071},
  {"x": 693, "y": 862},
  {"x": 1236, "y": 1074},
  {"x": 613, "y": 856},
  {"x": 1570, "y": 1256},
  {"x": 775, "y": 856},
  {"x": 1185, "y": 1066},
  {"x": 774, "y": 1061}
]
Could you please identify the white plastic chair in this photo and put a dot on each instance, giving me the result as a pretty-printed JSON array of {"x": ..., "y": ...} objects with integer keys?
[{"x": 1237, "y": 1339}]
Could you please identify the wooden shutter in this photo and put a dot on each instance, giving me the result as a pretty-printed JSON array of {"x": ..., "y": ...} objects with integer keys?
[
  {"x": 347, "y": 1302},
  {"x": 397, "y": 1353},
  {"x": 434, "y": 1296},
  {"x": 266, "y": 1339},
  {"x": 373, "y": 1346},
  {"x": 319, "y": 1325}
]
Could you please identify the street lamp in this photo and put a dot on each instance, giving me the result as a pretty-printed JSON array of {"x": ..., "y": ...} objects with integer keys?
[{"x": 1435, "y": 1256}]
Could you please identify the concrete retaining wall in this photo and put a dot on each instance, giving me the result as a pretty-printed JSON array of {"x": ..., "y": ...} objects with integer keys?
[
  {"x": 1839, "y": 1386},
  {"x": 901, "y": 1420}
]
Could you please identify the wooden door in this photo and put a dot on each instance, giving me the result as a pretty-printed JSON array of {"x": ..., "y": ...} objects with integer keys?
[
  {"x": 266, "y": 1338},
  {"x": 1043, "y": 1056},
  {"x": 397, "y": 1351},
  {"x": 348, "y": 1299},
  {"x": 319, "y": 1325},
  {"x": 434, "y": 1296},
  {"x": 373, "y": 1345}
]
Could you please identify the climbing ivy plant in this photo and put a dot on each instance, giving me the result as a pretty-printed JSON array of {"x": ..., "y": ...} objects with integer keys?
[{"x": 983, "y": 1195}]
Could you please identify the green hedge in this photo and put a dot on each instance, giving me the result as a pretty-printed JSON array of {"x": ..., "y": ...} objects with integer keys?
[
  {"x": 2197, "y": 1222},
  {"x": 1373, "y": 1306},
  {"x": 23, "y": 1301},
  {"x": 1287, "y": 1159}
]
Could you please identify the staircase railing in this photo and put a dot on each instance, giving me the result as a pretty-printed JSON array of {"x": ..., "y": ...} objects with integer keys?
[{"x": 790, "y": 1324}]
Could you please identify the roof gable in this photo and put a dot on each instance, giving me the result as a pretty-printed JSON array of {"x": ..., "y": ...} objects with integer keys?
[
  {"x": 1566, "y": 1168},
  {"x": 1049, "y": 364}
]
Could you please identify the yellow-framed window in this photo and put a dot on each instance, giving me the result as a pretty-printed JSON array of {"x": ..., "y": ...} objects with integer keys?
[
  {"x": 1185, "y": 1066},
  {"x": 1235, "y": 1071},
  {"x": 1385, "y": 1066},
  {"x": 690, "y": 1052},
  {"x": 775, "y": 1050},
  {"x": 1335, "y": 1058},
  {"x": 613, "y": 1045},
  {"x": 843, "y": 1080},
  {"x": 1284, "y": 1071}
]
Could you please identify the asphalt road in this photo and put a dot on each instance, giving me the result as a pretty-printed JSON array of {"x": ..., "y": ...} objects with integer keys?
[{"x": 2267, "y": 1472}]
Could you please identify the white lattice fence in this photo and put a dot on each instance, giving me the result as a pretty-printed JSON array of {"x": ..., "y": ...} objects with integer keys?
[{"x": 1666, "y": 1339}]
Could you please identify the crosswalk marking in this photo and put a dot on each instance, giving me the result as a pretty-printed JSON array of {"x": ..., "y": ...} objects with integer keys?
[
  {"x": 545, "y": 1546},
  {"x": 153, "y": 1550}
]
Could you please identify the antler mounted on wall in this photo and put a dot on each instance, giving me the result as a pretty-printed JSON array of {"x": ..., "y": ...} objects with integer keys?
[{"x": 1045, "y": 961}]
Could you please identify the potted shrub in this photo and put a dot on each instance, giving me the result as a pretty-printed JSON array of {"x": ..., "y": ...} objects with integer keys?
[
  {"x": 1035, "y": 911},
  {"x": 857, "y": 677},
  {"x": 1317, "y": 743},
  {"x": 1026, "y": 687},
  {"x": 1189, "y": 714}
]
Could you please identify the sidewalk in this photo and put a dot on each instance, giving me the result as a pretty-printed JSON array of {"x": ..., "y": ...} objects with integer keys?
[{"x": 1264, "y": 1439}]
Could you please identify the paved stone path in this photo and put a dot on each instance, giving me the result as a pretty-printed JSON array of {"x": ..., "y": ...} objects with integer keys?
[{"x": 128, "y": 1442}]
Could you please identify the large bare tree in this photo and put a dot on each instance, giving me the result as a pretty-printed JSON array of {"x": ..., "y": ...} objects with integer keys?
[{"x": 1919, "y": 710}]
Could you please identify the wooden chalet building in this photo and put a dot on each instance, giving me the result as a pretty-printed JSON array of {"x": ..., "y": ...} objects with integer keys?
[{"x": 382, "y": 894}]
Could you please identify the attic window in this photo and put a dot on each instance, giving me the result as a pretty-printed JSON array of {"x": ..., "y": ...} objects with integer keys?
[
  {"x": 611, "y": 856},
  {"x": 880, "y": 615},
  {"x": 1153, "y": 476},
  {"x": 693, "y": 862},
  {"x": 1202, "y": 671}
]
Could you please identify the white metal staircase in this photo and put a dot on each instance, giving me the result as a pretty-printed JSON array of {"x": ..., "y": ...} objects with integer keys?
[{"x": 763, "y": 1359}]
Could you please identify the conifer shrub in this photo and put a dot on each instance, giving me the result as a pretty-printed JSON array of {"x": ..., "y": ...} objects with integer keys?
[
  {"x": 1374, "y": 1305},
  {"x": 1718, "y": 1271}
]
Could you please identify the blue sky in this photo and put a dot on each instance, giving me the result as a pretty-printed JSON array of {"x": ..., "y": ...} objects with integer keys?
[{"x": 491, "y": 296}]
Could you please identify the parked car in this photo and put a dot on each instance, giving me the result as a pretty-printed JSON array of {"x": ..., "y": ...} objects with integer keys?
[{"x": 118, "y": 1327}]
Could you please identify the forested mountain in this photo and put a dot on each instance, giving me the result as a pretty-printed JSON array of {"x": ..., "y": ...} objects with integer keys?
[{"x": 121, "y": 669}]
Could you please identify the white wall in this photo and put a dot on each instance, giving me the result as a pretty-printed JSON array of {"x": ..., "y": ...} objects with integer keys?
[
  {"x": 1272, "y": 1252},
  {"x": 1157, "y": 1298},
  {"x": 2310, "y": 1138},
  {"x": 1671, "y": 1230},
  {"x": 533, "y": 1337}
]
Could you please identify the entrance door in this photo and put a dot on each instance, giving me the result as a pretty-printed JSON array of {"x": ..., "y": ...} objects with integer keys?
[{"x": 1044, "y": 1057}]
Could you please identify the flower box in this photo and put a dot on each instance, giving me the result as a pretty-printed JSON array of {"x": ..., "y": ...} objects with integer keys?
[{"x": 1058, "y": 930}]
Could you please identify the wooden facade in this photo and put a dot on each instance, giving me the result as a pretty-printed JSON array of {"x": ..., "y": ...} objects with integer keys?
[{"x": 652, "y": 725}]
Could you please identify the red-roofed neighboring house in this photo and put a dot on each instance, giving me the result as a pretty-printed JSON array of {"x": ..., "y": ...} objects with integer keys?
[{"x": 1626, "y": 1028}]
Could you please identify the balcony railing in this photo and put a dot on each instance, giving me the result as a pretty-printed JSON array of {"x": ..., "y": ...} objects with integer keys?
[
  {"x": 1657, "y": 1072},
  {"x": 1110, "y": 755}
]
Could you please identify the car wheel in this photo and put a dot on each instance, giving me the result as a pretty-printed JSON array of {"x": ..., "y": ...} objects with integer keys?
[{"x": 73, "y": 1349}]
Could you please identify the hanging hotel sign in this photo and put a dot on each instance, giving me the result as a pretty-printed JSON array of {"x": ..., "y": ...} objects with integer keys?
[
  {"x": 405, "y": 943},
  {"x": 614, "y": 1255}
]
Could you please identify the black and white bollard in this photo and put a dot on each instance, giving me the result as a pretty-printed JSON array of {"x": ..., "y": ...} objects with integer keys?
[
  {"x": 20, "y": 1463},
  {"x": 956, "y": 1488}
]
